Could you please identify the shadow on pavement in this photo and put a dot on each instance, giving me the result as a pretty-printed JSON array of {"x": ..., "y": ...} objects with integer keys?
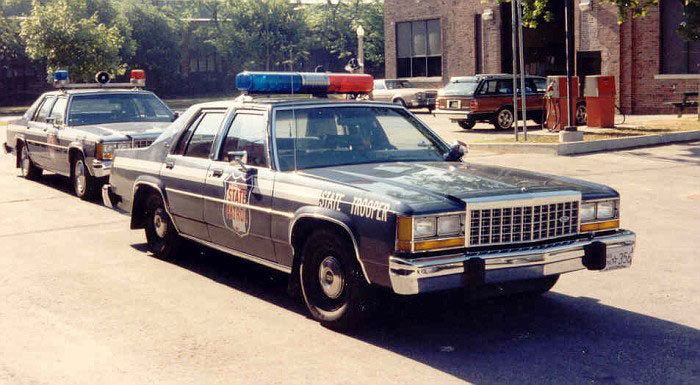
[{"x": 554, "y": 338}]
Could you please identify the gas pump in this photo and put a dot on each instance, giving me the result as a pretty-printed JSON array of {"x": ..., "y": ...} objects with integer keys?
[{"x": 556, "y": 115}]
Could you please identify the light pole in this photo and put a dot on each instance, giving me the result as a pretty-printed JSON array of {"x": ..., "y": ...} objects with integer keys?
[{"x": 360, "y": 49}]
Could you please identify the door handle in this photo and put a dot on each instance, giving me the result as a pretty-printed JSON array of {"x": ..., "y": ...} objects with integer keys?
[
  {"x": 217, "y": 172},
  {"x": 169, "y": 164}
]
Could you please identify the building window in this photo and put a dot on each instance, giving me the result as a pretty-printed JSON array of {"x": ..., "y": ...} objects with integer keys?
[
  {"x": 478, "y": 49},
  {"x": 418, "y": 48},
  {"x": 677, "y": 55}
]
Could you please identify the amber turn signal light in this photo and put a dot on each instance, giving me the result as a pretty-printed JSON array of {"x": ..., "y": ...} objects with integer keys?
[{"x": 607, "y": 225}]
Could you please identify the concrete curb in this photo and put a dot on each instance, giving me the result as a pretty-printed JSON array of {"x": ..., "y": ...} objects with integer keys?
[{"x": 574, "y": 148}]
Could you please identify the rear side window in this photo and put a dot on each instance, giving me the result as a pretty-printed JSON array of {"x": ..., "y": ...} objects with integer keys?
[
  {"x": 197, "y": 140},
  {"x": 44, "y": 109}
]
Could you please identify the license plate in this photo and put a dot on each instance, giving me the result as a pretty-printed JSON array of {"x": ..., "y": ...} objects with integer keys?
[
  {"x": 618, "y": 257},
  {"x": 456, "y": 104}
]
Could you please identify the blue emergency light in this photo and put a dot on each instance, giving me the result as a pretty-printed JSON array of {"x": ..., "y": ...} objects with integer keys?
[
  {"x": 60, "y": 77},
  {"x": 302, "y": 83}
]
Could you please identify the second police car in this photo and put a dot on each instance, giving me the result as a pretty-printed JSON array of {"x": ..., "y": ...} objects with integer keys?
[
  {"x": 350, "y": 195},
  {"x": 75, "y": 130}
]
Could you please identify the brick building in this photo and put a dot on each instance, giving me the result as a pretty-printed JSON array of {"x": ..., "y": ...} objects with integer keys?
[{"x": 429, "y": 41}]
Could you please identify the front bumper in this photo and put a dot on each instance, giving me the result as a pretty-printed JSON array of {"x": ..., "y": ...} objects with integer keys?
[
  {"x": 421, "y": 103},
  {"x": 8, "y": 149},
  {"x": 101, "y": 168},
  {"x": 413, "y": 276},
  {"x": 453, "y": 114}
]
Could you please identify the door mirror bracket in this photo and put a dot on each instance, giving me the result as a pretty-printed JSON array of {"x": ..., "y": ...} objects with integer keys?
[{"x": 240, "y": 157}]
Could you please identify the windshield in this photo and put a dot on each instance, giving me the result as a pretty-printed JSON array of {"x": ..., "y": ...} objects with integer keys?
[
  {"x": 461, "y": 87},
  {"x": 331, "y": 136},
  {"x": 116, "y": 108},
  {"x": 393, "y": 84}
]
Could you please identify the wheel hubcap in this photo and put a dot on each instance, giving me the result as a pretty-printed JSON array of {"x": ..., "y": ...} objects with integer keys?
[
  {"x": 505, "y": 118},
  {"x": 79, "y": 176},
  {"x": 581, "y": 114},
  {"x": 160, "y": 224},
  {"x": 330, "y": 275}
]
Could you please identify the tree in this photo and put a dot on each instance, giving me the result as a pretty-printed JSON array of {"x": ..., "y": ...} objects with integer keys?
[
  {"x": 155, "y": 38},
  {"x": 334, "y": 25},
  {"x": 689, "y": 28},
  {"x": 10, "y": 44},
  {"x": 62, "y": 33}
]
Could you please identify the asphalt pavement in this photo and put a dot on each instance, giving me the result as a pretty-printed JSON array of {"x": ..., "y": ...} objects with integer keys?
[{"x": 83, "y": 302}]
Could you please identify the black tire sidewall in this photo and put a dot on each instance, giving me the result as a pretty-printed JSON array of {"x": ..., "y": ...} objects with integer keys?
[
  {"x": 496, "y": 122},
  {"x": 349, "y": 307},
  {"x": 467, "y": 124},
  {"x": 164, "y": 248},
  {"x": 89, "y": 191},
  {"x": 33, "y": 172}
]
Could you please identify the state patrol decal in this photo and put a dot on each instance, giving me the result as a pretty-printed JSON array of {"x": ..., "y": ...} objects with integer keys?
[{"x": 235, "y": 210}]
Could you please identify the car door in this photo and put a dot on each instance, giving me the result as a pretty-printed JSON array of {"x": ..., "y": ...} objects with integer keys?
[
  {"x": 56, "y": 140},
  {"x": 380, "y": 92},
  {"x": 36, "y": 133},
  {"x": 185, "y": 169},
  {"x": 239, "y": 195}
]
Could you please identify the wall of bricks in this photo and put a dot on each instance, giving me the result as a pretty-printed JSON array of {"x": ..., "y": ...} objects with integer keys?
[{"x": 631, "y": 51}]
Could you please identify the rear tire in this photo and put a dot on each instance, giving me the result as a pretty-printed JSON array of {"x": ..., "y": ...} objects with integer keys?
[
  {"x": 28, "y": 169},
  {"x": 504, "y": 118},
  {"x": 581, "y": 114},
  {"x": 84, "y": 185},
  {"x": 332, "y": 283},
  {"x": 467, "y": 124},
  {"x": 161, "y": 235}
]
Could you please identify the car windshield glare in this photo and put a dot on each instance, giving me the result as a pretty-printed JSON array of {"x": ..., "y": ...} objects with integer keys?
[
  {"x": 117, "y": 108},
  {"x": 394, "y": 84},
  {"x": 465, "y": 87},
  {"x": 332, "y": 136}
]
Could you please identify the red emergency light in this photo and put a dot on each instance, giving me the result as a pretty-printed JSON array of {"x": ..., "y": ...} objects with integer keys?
[{"x": 138, "y": 78}]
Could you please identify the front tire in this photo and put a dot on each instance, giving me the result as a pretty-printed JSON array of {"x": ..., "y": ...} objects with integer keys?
[
  {"x": 504, "y": 118},
  {"x": 28, "y": 169},
  {"x": 84, "y": 184},
  {"x": 332, "y": 283},
  {"x": 161, "y": 235}
]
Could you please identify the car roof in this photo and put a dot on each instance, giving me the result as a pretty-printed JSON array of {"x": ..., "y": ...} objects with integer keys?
[
  {"x": 491, "y": 76},
  {"x": 94, "y": 91}
]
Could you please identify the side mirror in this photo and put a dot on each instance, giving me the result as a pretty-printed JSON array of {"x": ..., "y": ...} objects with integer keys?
[
  {"x": 51, "y": 120},
  {"x": 457, "y": 151},
  {"x": 240, "y": 157},
  {"x": 175, "y": 116}
]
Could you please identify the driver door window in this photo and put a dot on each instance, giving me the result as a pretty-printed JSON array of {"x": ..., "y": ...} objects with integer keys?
[{"x": 247, "y": 133}]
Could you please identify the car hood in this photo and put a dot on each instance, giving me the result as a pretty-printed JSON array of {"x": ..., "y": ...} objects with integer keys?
[
  {"x": 426, "y": 186},
  {"x": 132, "y": 130}
]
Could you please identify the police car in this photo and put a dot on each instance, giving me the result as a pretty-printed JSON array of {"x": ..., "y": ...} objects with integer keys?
[
  {"x": 348, "y": 195},
  {"x": 75, "y": 130}
]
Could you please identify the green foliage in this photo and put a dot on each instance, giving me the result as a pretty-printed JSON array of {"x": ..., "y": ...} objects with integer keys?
[
  {"x": 333, "y": 27},
  {"x": 68, "y": 36},
  {"x": 10, "y": 44},
  {"x": 154, "y": 38}
]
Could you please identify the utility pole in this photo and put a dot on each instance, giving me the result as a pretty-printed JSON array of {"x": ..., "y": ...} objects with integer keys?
[
  {"x": 514, "y": 38},
  {"x": 569, "y": 9},
  {"x": 523, "y": 93}
]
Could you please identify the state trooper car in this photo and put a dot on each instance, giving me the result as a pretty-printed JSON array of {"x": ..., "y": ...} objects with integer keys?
[
  {"x": 348, "y": 195},
  {"x": 75, "y": 130}
]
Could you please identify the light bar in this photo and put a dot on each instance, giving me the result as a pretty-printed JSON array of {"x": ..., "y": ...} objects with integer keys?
[
  {"x": 60, "y": 78},
  {"x": 303, "y": 83},
  {"x": 138, "y": 78}
]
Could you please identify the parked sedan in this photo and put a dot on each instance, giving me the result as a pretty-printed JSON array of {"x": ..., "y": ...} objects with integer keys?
[
  {"x": 404, "y": 93},
  {"x": 74, "y": 132}
]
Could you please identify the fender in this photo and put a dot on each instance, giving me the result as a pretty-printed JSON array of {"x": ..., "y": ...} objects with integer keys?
[
  {"x": 77, "y": 146},
  {"x": 336, "y": 217},
  {"x": 156, "y": 184},
  {"x": 19, "y": 139}
]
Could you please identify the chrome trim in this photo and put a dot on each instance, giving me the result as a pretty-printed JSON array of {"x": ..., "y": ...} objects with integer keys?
[
  {"x": 45, "y": 144},
  {"x": 218, "y": 200},
  {"x": 501, "y": 265},
  {"x": 106, "y": 200},
  {"x": 101, "y": 168},
  {"x": 239, "y": 254},
  {"x": 162, "y": 196},
  {"x": 343, "y": 225}
]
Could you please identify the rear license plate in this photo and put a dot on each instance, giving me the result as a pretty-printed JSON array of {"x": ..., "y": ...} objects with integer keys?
[
  {"x": 455, "y": 104},
  {"x": 618, "y": 257}
]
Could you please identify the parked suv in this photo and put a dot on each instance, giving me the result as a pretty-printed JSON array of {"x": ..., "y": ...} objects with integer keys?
[
  {"x": 489, "y": 98},
  {"x": 404, "y": 93}
]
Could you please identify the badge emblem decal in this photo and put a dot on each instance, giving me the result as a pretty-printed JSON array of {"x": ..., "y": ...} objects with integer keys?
[
  {"x": 564, "y": 218},
  {"x": 235, "y": 212}
]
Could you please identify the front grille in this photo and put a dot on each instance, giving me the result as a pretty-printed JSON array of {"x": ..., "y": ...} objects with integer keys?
[
  {"x": 431, "y": 94},
  {"x": 522, "y": 222},
  {"x": 141, "y": 143}
]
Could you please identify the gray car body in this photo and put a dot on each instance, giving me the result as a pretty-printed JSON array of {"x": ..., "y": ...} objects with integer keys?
[
  {"x": 51, "y": 146},
  {"x": 282, "y": 202}
]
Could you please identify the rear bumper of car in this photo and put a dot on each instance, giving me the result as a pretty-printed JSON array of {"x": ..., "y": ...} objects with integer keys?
[
  {"x": 453, "y": 114},
  {"x": 109, "y": 198},
  {"x": 421, "y": 103},
  {"x": 413, "y": 276}
]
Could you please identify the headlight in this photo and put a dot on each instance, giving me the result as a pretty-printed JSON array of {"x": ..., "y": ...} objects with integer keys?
[
  {"x": 109, "y": 148},
  {"x": 587, "y": 212},
  {"x": 449, "y": 225},
  {"x": 424, "y": 227},
  {"x": 606, "y": 210}
]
